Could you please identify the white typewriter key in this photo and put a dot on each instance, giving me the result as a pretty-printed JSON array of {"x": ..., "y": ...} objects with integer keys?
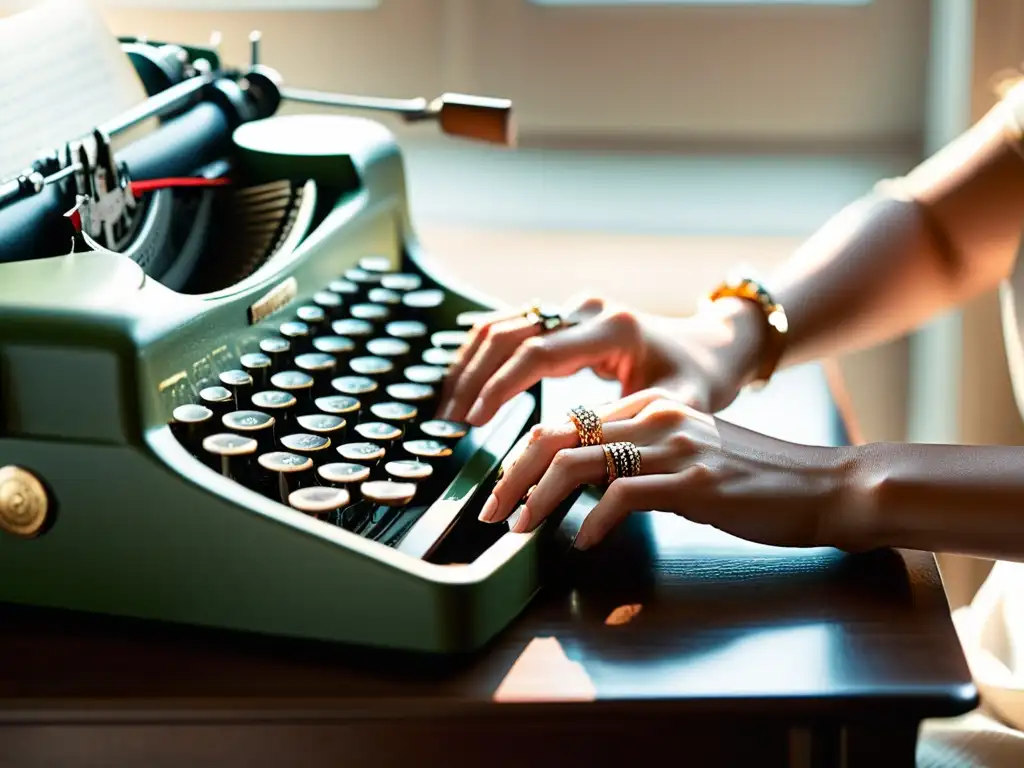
[
  {"x": 318, "y": 501},
  {"x": 286, "y": 472},
  {"x": 334, "y": 345},
  {"x": 258, "y": 365},
  {"x": 325, "y": 424},
  {"x": 313, "y": 447},
  {"x": 442, "y": 358},
  {"x": 375, "y": 264},
  {"x": 217, "y": 399},
  {"x": 419, "y": 395},
  {"x": 354, "y": 386},
  {"x": 313, "y": 316},
  {"x": 408, "y": 470},
  {"x": 387, "y": 348},
  {"x": 344, "y": 288},
  {"x": 442, "y": 430},
  {"x": 427, "y": 449},
  {"x": 277, "y": 349},
  {"x": 424, "y": 374},
  {"x": 255, "y": 424},
  {"x": 428, "y": 298},
  {"x": 350, "y": 327},
  {"x": 339, "y": 405},
  {"x": 403, "y": 282},
  {"x": 399, "y": 414},
  {"x": 449, "y": 339},
  {"x": 297, "y": 383},
  {"x": 231, "y": 455},
  {"x": 274, "y": 401},
  {"x": 378, "y": 432},
  {"x": 293, "y": 329},
  {"x": 471, "y": 318},
  {"x": 238, "y": 383},
  {"x": 363, "y": 278},
  {"x": 385, "y": 297},
  {"x": 191, "y": 423},
  {"x": 371, "y": 365},
  {"x": 371, "y": 313},
  {"x": 409, "y": 330},
  {"x": 366, "y": 454},
  {"x": 388, "y": 493},
  {"x": 329, "y": 301},
  {"x": 321, "y": 366},
  {"x": 344, "y": 474}
]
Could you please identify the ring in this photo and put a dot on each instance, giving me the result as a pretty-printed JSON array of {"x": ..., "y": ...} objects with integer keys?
[
  {"x": 588, "y": 425},
  {"x": 625, "y": 460},
  {"x": 548, "y": 319},
  {"x": 609, "y": 465}
]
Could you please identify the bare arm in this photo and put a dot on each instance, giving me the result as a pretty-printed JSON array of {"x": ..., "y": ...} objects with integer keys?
[{"x": 919, "y": 245}]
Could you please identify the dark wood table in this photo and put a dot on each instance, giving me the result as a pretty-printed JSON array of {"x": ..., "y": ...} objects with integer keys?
[{"x": 671, "y": 639}]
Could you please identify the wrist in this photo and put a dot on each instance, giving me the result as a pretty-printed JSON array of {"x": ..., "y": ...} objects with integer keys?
[
  {"x": 739, "y": 336},
  {"x": 850, "y": 521}
]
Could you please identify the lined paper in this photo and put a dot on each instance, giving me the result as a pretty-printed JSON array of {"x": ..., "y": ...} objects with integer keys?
[{"x": 62, "y": 73}]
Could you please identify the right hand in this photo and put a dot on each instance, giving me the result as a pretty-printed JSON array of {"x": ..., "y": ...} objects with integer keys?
[{"x": 704, "y": 359}]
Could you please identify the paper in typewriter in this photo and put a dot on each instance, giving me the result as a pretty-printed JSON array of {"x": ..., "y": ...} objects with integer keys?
[{"x": 62, "y": 73}]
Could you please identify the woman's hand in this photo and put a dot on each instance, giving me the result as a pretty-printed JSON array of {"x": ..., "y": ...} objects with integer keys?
[
  {"x": 711, "y": 472},
  {"x": 704, "y": 359}
]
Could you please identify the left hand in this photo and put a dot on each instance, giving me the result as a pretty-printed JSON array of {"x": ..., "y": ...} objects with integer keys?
[{"x": 741, "y": 482}]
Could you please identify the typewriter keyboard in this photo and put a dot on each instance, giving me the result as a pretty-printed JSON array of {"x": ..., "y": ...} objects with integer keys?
[{"x": 334, "y": 414}]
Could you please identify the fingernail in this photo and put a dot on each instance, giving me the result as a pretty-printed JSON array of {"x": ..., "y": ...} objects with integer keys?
[
  {"x": 475, "y": 413},
  {"x": 519, "y": 520},
  {"x": 582, "y": 541},
  {"x": 489, "y": 508}
]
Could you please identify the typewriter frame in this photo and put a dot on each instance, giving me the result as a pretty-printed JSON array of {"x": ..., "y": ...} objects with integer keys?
[{"x": 132, "y": 510}]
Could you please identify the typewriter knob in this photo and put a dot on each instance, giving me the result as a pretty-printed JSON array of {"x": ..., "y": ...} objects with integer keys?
[{"x": 24, "y": 503}]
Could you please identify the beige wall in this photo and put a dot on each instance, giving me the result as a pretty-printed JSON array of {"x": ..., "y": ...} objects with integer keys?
[{"x": 695, "y": 73}]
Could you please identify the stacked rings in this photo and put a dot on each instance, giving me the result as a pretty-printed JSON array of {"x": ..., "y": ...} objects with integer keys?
[
  {"x": 588, "y": 426},
  {"x": 621, "y": 460}
]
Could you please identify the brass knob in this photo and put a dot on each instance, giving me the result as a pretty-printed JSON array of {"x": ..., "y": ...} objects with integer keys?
[{"x": 24, "y": 505}]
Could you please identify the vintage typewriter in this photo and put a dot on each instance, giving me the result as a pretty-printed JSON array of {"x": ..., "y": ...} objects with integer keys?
[{"x": 220, "y": 350}]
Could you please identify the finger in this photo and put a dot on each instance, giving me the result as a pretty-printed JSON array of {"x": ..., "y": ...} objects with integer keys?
[
  {"x": 574, "y": 467},
  {"x": 465, "y": 354},
  {"x": 494, "y": 350},
  {"x": 553, "y": 355},
  {"x": 645, "y": 492}
]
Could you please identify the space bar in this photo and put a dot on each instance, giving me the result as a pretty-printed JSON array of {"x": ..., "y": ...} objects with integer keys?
[{"x": 495, "y": 441}]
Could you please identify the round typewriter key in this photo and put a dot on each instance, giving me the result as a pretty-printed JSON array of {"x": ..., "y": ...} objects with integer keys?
[
  {"x": 231, "y": 455},
  {"x": 313, "y": 316},
  {"x": 449, "y": 339},
  {"x": 344, "y": 474},
  {"x": 371, "y": 365},
  {"x": 326, "y": 424},
  {"x": 401, "y": 281},
  {"x": 237, "y": 382},
  {"x": 344, "y": 288},
  {"x": 298, "y": 383},
  {"x": 362, "y": 278},
  {"x": 354, "y": 386},
  {"x": 334, "y": 345},
  {"x": 428, "y": 298},
  {"x": 317, "y": 501},
  {"x": 410, "y": 392},
  {"x": 217, "y": 399},
  {"x": 409, "y": 330},
  {"x": 329, "y": 301},
  {"x": 409, "y": 470},
  {"x": 440, "y": 357},
  {"x": 388, "y": 493},
  {"x": 314, "y": 447},
  {"x": 443, "y": 431},
  {"x": 427, "y": 449},
  {"x": 318, "y": 364},
  {"x": 399, "y": 414},
  {"x": 424, "y": 374},
  {"x": 471, "y": 318},
  {"x": 257, "y": 365},
  {"x": 376, "y": 313},
  {"x": 375, "y": 264},
  {"x": 378, "y": 432},
  {"x": 286, "y": 472},
  {"x": 385, "y": 297},
  {"x": 387, "y": 348},
  {"x": 273, "y": 401},
  {"x": 255, "y": 424},
  {"x": 277, "y": 349},
  {"x": 191, "y": 423},
  {"x": 353, "y": 328},
  {"x": 339, "y": 405},
  {"x": 297, "y": 333},
  {"x": 365, "y": 454}
]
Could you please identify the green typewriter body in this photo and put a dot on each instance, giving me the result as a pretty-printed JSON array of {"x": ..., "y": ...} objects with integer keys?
[{"x": 152, "y": 438}]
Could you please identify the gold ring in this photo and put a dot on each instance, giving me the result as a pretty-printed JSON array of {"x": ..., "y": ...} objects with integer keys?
[
  {"x": 588, "y": 425},
  {"x": 609, "y": 465},
  {"x": 626, "y": 457},
  {"x": 548, "y": 319}
]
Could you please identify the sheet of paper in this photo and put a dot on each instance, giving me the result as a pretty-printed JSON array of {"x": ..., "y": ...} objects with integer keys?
[{"x": 62, "y": 73}]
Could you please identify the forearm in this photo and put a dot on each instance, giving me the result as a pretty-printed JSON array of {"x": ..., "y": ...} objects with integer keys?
[
  {"x": 958, "y": 499},
  {"x": 913, "y": 249}
]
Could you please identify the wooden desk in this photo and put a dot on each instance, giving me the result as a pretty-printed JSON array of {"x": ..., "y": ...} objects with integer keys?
[{"x": 671, "y": 638}]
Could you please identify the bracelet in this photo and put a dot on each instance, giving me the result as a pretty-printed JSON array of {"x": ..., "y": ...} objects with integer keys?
[{"x": 775, "y": 316}]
